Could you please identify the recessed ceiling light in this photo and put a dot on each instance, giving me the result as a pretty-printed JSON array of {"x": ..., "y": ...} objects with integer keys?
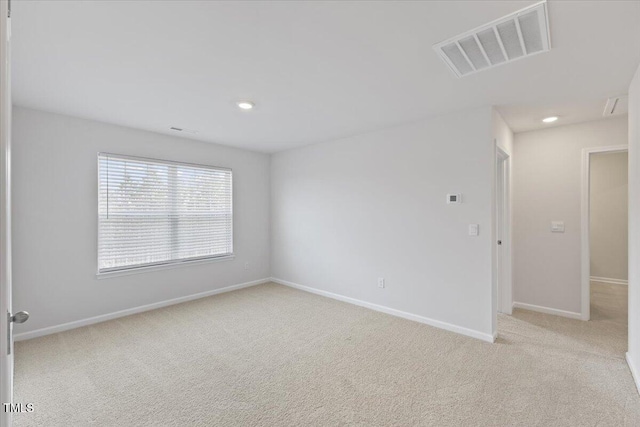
[
  {"x": 245, "y": 105},
  {"x": 550, "y": 119}
]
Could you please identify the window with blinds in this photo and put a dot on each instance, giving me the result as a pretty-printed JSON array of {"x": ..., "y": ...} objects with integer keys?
[{"x": 154, "y": 212}]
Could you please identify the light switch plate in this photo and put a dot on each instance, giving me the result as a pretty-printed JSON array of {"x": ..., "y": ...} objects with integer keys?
[
  {"x": 474, "y": 229},
  {"x": 557, "y": 226}
]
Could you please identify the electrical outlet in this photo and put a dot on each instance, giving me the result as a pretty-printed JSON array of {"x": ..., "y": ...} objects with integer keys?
[
  {"x": 246, "y": 265},
  {"x": 381, "y": 282}
]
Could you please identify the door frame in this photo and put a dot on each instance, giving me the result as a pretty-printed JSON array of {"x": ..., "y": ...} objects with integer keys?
[
  {"x": 585, "y": 217},
  {"x": 6, "y": 359},
  {"x": 504, "y": 288}
]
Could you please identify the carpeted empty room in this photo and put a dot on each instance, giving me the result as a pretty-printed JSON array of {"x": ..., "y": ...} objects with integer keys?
[
  {"x": 271, "y": 355},
  {"x": 319, "y": 213}
]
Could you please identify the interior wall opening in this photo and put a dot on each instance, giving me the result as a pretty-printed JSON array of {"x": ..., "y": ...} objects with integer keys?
[{"x": 608, "y": 236}]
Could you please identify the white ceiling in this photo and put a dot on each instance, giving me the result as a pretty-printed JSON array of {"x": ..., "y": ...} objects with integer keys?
[
  {"x": 316, "y": 70},
  {"x": 526, "y": 117}
]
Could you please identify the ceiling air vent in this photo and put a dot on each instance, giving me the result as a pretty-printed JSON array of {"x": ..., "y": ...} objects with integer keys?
[
  {"x": 177, "y": 129},
  {"x": 616, "y": 105},
  {"x": 521, "y": 34}
]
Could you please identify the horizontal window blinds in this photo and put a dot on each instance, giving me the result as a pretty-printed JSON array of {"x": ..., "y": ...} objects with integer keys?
[{"x": 153, "y": 212}]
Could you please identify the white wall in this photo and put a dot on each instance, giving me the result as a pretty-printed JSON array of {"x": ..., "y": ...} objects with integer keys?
[
  {"x": 633, "y": 356},
  {"x": 349, "y": 211},
  {"x": 502, "y": 133},
  {"x": 55, "y": 219},
  {"x": 547, "y": 187},
  {"x": 609, "y": 215}
]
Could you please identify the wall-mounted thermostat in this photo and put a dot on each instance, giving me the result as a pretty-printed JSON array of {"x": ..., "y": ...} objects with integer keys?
[
  {"x": 557, "y": 226},
  {"x": 454, "y": 198}
]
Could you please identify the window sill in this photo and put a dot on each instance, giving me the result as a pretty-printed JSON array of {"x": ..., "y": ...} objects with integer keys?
[{"x": 139, "y": 270}]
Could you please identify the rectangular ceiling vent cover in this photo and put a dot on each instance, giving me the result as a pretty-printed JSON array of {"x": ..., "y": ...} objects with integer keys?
[
  {"x": 519, "y": 35},
  {"x": 616, "y": 105}
]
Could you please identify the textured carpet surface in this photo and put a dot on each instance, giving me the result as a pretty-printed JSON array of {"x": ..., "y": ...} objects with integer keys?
[{"x": 275, "y": 356}]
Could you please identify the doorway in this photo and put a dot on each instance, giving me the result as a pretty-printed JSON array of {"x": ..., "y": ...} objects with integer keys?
[
  {"x": 604, "y": 233},
  {"x": 503, "y": 233}
]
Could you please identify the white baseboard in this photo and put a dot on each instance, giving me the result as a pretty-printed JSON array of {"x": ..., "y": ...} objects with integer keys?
[
  {"x": 392, "y": 311},
  {"x": 548, "y": 310},
  {"x": 109, "y": 316},
  {"x": 609, "y": 280},
  {"x": 634, "y": 373}
]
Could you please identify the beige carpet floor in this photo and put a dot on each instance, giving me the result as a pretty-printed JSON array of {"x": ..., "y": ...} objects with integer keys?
[{"x": 275, "y": 356}]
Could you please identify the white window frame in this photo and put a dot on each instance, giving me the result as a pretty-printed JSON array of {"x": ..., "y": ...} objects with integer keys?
[{"x": 135, "y": 269}]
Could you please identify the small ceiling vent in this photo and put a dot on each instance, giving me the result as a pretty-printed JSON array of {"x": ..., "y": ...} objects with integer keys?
[
  {"x": 519, "y": 35},
  {"x": 177, "y": 129},
  {"x": 616, "y": 105}
]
